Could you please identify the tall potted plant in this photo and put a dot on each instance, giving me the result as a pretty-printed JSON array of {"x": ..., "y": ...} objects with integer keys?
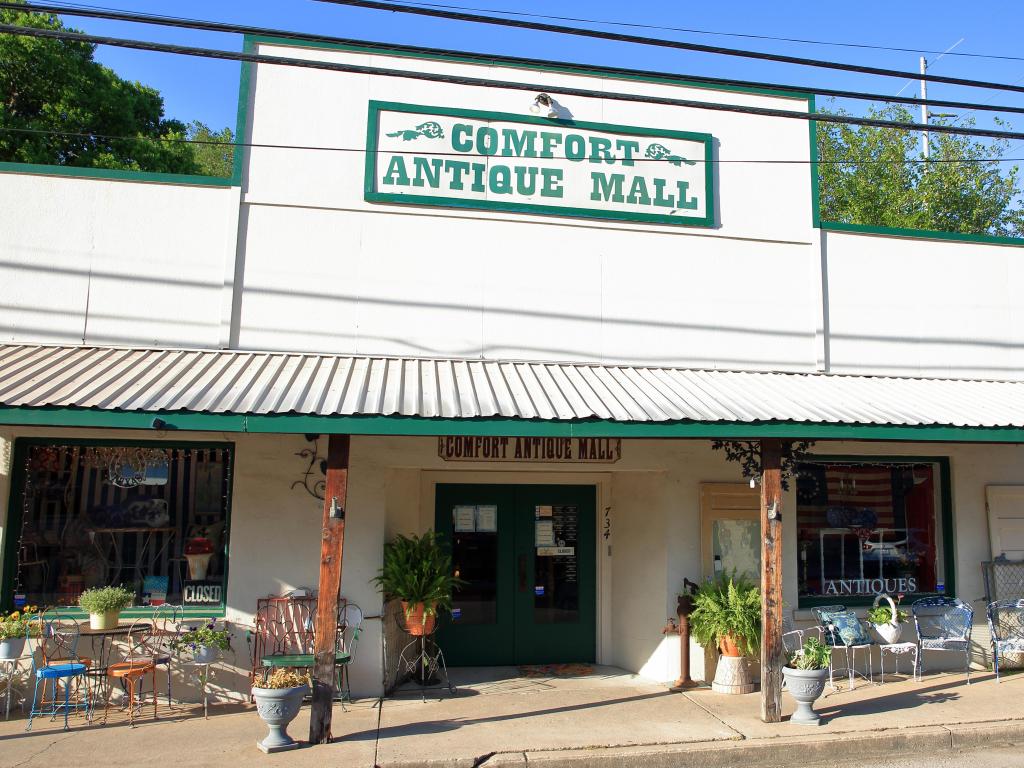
[
  {"x": 417, "y": 571},
  {"x": 104, "y": 605},
  {"x": 727, "y": 616},
  {"x": 805, "y": 676}
]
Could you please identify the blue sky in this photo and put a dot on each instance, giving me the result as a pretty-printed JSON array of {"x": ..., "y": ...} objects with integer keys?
[{"x": 207, "y": 90}]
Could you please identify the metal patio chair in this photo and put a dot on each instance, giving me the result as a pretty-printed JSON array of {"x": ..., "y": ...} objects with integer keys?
[
  {"x": 155, "y": 642},
  {"x": 132, "y": 671},
  {"x": 842, "y": 630},
  {"x": 55, "y": 660},
  {"x": 943, "y": 624},
  {"x": 1006, "y": 626}
]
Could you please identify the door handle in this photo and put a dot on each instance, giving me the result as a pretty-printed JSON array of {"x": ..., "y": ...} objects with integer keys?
[{"x": 522, "y": 573}]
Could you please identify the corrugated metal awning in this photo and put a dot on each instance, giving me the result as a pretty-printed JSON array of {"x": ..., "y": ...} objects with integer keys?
[{"x": 267, "y": 383}]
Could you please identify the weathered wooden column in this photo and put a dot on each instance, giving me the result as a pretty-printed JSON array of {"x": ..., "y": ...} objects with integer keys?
[
  {"x": 771, "y": 581},
  {"x": 326, "y": 627}
]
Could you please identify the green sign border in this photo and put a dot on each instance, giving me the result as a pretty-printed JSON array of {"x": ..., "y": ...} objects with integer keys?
[{"x": 373, "y": 196}]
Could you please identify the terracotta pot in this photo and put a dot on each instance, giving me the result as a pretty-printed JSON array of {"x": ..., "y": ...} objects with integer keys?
[
  {"x": 727, "y": 645},
  {"x": 416, "y": 623}
]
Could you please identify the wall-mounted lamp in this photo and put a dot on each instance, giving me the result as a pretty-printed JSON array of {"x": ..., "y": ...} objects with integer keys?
[{"x": 544, "y": 105}]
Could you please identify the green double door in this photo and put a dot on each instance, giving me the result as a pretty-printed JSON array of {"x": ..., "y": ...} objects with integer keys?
[{"x": 527, "y": 553}]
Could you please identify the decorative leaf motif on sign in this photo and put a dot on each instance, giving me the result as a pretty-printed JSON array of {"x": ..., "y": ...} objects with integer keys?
[
  {"x": 661, "y": 152},
  {"x": 430, "y": 130}
]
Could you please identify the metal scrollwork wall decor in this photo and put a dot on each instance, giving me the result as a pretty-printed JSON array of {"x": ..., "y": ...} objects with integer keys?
[
  {"x": 748, "y": 455},
  {"x": 313, "y": 484}
]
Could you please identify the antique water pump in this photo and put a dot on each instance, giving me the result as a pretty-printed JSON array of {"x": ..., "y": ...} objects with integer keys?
[{"x": 684, "y": 607}]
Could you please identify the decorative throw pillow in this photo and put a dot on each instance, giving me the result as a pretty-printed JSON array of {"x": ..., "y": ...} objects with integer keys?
[{"x": 847, "y": 626}]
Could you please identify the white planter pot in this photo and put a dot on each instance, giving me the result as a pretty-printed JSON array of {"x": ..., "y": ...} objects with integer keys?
[
  {"x": 198, "y": 565},
  {"x": 890, "y": 633},
  {"x": 12, "y": 648},
  {"x": 204, "y": 654},
  {"x": 106, "y": 620}
]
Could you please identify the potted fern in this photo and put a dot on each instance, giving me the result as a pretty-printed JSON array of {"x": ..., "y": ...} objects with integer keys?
[
  {"x": 417, "y": 571},
  {"x": 104, "y": 605},
  {"x": 727, "y": 616},
  {"x": 805, "y": 676}
]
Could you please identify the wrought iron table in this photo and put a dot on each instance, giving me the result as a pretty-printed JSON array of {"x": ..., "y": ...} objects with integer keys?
[{"x": 897, "y": 650}]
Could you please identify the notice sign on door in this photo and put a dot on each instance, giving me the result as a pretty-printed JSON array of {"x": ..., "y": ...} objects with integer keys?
[{"x": 518, "y": 163}]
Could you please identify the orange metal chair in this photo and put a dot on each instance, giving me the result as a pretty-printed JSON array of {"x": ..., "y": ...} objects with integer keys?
[{"x": 131, "y": 673}]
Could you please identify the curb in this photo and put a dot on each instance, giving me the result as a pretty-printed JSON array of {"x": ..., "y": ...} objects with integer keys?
[
  {"x": 779, "y": 751},
  {"x": 771, "y": 752}
]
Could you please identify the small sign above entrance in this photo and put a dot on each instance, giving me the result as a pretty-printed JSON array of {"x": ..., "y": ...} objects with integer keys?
[{"x": 578, "y": 450}]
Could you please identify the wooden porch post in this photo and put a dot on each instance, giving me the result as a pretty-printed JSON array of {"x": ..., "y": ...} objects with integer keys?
[
  {"x": 771, "y": 581},
  {"x": 326, "y": 628}
]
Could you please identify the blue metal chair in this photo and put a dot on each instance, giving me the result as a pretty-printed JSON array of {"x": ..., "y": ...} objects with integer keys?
[
  {"x": 842, "y": 630},
  {"x": 1006, "y": 626},
  {"x": 57, "y": 662},
  {"x": 943, "y": 624}
]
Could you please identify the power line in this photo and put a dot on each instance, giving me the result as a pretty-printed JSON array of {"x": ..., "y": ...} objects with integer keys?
[
  {"x": 364, "y": 150},
  {"x": 491, "y": 83},
  {"x": 662, "y": 43},
  {"x": 690, "y": 30},
  {"x": 211, "y": 26}
]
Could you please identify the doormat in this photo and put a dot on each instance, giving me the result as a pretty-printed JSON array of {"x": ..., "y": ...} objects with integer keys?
[{"x": 556, "y": 670}]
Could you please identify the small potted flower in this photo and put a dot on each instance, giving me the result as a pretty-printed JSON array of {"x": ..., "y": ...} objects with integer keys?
[
  {"x": 887, "y": 619},
  {"x": 14, "y": 629},
  {"x": 203, "y": 642},
  {"x": 805, "y": 677},
  {"x": 104, "y": 605},
  {"x": 278, "y": 699}
]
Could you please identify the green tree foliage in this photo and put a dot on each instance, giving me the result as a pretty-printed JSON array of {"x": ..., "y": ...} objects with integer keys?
[
  {"x": 103, "y": 120},
  {"x": 213, "y": 150},
  {"x": 876, "y": 176}
]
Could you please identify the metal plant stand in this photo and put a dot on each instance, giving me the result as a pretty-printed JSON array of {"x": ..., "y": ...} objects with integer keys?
[
  {"x": 202, "y": 671},
  {"x": 8, "y": 673},
  {"x": 422, "y": 659}
]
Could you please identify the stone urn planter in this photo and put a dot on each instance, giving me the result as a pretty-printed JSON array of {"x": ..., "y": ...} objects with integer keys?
[
  {"x": 12, "y": 648},
  {"x": 278, "y": 707},
  {"x": 805, "y": 686}
]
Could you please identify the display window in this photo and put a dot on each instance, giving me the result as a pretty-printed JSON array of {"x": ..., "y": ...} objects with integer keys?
[
  {"x": 866, "y": 527},
  {"x": 153, "y": 517}
]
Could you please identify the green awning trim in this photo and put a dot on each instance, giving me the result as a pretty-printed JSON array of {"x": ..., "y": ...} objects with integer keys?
[{"x": 292, "y": 423}]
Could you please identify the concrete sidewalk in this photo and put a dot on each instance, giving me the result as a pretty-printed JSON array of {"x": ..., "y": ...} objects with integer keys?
[{"x": 608, "y": 718}]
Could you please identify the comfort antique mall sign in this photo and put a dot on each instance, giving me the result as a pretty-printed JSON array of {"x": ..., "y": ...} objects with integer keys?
[
  {"x": 583, "y": 450},
  {"x": 464, "y": 158}
]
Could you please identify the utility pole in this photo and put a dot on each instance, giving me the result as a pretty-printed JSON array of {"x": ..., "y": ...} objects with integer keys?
[{"x": 925, "y": 143}]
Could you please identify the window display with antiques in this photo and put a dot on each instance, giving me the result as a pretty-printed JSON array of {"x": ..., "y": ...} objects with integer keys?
[
  {"x": 152, "y": 517},
  {"x": 867, "y": 527}
]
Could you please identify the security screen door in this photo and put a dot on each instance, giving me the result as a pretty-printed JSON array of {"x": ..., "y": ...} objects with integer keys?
[{"x": 528, "y": 555}]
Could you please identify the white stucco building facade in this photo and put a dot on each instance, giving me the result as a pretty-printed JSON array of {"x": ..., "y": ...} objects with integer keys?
[{"x": 322, "y": 290}]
